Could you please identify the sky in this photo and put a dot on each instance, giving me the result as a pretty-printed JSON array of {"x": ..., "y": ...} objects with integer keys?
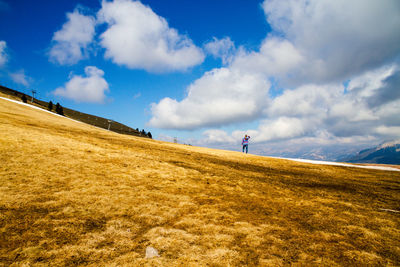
[{"x": 305, "y": 78}]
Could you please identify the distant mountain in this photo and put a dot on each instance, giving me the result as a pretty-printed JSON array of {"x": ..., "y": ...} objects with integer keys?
[
  {"x": 386, "y": 153},
  {"x": 312, "y": 152}
]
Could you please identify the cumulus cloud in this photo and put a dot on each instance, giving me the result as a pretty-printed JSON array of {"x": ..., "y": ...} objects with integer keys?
[
  {"x": 339, "y": 38},
  {"x": 367, "y": 84},
  {"x": 138, "y": 38},
  {"x": 221, "y": 48},
  {"x": 90, "y": 88},
  {"x": 216, "y": 136},
  {"x": 20, "y": 78},
  {"x": 389, "y": 113},
  {"x": 365, "y": 105},
  {"x": 236, "y": 93},
  {"x": 221, "y": 96},
  {"x": 3, "y": 54},
  {"x": 70, "y": 44},
  {"x": 386, "y": 89},
  {"x": 306, "y": 100},
  {"x": 367, "y": 94},
  {"x": 276, "y": 57},
  {"x": 282, "y": 128},
  {"x": 388, "y": 131}
]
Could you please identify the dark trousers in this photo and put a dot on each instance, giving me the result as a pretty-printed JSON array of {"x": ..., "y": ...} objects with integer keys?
[{"x": 246, "y": 146}]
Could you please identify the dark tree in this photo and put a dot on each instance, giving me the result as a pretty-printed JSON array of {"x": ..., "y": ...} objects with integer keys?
[
  {"x": 24, "y": 99},
  {"x": 59, "y": 109},
  {"x": 149, "y": 135},
  {"x": 143, "y": 133},
  {"x": 50, "y": 106},
  {"x": 137, "y": 129}
]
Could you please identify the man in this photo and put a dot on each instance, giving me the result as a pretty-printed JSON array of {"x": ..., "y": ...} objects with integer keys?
[{"x": 245, "y": 142}]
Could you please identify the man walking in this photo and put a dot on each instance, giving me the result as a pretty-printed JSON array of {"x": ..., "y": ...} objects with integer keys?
[{"x": 245, "y": 143}]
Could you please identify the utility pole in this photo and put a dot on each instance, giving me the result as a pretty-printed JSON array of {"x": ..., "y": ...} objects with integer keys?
[
  {"x": 33, "y": 94},
  {"x": 109, "y": 124}
]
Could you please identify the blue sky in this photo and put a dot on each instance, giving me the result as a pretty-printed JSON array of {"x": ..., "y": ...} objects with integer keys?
[{"x": 301, "y": 77}]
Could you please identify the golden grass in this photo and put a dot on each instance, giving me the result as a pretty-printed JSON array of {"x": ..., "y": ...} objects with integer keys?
[{"x": 72, "y": 194}]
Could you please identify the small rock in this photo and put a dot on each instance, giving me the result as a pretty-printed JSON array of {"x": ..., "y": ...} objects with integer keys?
[{"x": 151, "y": 253}]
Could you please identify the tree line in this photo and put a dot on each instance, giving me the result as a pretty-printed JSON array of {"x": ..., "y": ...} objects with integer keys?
[
  {"x": 144, "y": 133},
  {"x": 58, "y": 108}
]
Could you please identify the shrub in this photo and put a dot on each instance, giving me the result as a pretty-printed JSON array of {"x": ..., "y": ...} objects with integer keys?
[{"x": 59, "y": 109}]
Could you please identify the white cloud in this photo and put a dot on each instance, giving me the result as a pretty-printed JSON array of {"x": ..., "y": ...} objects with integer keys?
[
  {"x": 221, "y": 48},
  {"x": 276, "y": 57},
  {"x": 70, "y": 44},
  {"x": 282, "y": 128},
  {"x": 388, "y": 113},
  {"x": 306, "y": 100},
  {"x": 216, "y": 136},
  {"x": 362, "y": 107},
  {"x": 388, "y": 131},
  {"x": 3, "y": 54},
  {"x": 221, "y": 96},
  {"x": 91, "y": 88},
  {"x": 140, "y": 39},
  {"x": 369, "y": 82},
  {"x": 237, "y": 93},
  {"x": 339, "y": 38},
  {"x": 324, "y": 41},
  {"x": 20, "y": 78},
  {"x": 347, "y": 110}
]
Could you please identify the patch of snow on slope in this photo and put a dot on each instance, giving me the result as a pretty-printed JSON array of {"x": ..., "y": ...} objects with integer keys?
[
  {"x": 343, "y": 164},
  {"x": 31, "y": 106}
]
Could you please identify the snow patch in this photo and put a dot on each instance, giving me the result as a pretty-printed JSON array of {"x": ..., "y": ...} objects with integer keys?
[
  {"x": 31, "y": 106},
  {"x": 389, "y": 144},
  {"x": 342, "y": 164}
]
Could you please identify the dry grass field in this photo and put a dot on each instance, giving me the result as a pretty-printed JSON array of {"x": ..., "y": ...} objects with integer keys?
[{"x": 72, "y": 194}]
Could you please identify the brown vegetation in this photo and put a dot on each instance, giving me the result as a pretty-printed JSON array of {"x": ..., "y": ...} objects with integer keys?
[
  {"x": 72, "y": 194},
  {"x": 76, "y": 115}
]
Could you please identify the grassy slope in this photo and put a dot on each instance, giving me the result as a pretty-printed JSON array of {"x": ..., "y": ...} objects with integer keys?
[
  {"x": 76, "y": 115},
  {"x": 73, "y": 194}
]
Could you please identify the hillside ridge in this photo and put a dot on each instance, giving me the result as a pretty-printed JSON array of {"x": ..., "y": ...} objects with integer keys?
[
  {"x": 79, "y": 116},
  {"x": 385, "y": 153}
]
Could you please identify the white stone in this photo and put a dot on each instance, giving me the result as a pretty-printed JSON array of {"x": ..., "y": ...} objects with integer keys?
[{"x": 151, "y": 253}]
